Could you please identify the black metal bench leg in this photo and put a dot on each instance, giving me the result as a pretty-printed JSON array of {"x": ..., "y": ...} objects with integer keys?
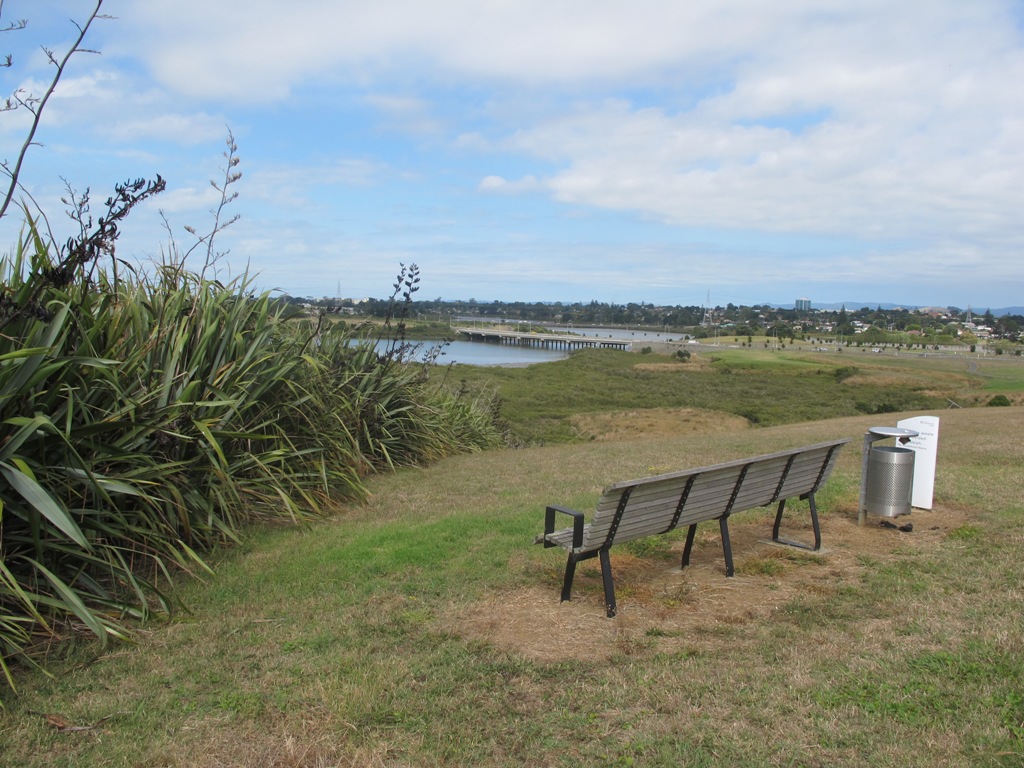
[
  {"x": 723, "y": 525},
  {"x": 609, "y": 583},
  {"x": 814, "y": 523},
  {"x": 778, "y": 520},
  {"x": 570, "y": 572},
  {"x": 691, "y": 531}
]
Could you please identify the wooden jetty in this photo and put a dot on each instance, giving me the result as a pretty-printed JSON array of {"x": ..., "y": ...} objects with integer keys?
[{"x": 544, "y": 340}]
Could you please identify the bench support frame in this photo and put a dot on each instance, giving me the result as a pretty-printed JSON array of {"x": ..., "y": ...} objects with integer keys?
[
  {"x": 809, "y": 496},
  {"x": 577, "y": 557},
  {"x": 814, "y": 524}
]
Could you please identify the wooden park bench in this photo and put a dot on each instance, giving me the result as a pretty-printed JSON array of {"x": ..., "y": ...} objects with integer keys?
[{"x": 656, "y": 505}]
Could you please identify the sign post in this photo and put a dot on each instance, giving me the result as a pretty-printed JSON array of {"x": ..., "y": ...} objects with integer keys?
[{"x": 926, "y": 447}]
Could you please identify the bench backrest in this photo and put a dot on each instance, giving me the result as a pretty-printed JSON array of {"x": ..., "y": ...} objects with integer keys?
[{"x": 658, "y": 504}]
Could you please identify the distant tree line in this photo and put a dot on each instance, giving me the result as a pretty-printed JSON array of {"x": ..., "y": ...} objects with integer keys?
[{"x": 757, "y": 320}]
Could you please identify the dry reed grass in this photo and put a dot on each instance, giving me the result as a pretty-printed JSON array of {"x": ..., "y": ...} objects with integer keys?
[{"x": 654, "y": 423}]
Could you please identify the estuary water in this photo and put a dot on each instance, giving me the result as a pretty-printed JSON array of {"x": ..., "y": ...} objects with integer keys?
[{"x": 479, "y": 353}]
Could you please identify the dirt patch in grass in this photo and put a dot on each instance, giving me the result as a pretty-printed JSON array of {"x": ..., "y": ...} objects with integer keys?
[
  {"x": 970, "y": 399},
  {"x": 880, "y": 379},
  {"x": 664, "y": 608},
  {"x": 694, "y": 364},
  {"x": 655, "y": 423},
  {"x": 659, "y": 367}
]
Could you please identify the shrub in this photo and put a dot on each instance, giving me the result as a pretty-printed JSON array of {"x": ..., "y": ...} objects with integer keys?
[
  {"x": 146, "y": 419},
  {"x": 844, "y": 372},
  {"x": 999, "y": 400}
]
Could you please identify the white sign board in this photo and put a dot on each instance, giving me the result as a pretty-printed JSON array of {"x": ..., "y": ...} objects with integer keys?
[{"x": 926, "y": 449}]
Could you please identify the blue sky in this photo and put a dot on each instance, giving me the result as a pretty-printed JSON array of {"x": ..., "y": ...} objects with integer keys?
[{"x": 538, "y": 150}]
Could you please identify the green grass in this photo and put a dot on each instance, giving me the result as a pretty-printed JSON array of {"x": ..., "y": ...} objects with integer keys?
[
  {"x": 357, "y": 641},
  {"x": 1002, "y": 375},
  {"x": 345, "y": 643},
  {"x": 766, "y": 388}
]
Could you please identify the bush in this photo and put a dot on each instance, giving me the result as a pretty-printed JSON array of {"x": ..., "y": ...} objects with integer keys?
[
  {"x": 999, "y": 400},
  {"x": 844, "y": 372},
  {"x": 147, "y": 419}
]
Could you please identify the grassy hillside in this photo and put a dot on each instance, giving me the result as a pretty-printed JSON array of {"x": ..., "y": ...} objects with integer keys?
[{"x": 423, "y": 628}]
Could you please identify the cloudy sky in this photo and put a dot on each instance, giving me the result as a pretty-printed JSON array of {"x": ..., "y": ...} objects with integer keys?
[{"x": 540, "y": 150}]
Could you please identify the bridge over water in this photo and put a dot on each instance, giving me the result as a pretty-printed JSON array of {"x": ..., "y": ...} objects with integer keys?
[{"x": 545, "y": 340}]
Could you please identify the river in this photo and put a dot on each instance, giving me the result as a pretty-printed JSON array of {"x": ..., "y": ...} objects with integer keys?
[{"x": 481, "y": 353}]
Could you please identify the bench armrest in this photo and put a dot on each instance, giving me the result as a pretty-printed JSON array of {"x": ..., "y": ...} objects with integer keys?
[{"x": 577, "y": 525}]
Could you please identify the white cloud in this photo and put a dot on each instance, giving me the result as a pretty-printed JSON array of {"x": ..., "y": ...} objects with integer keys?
[
  {"x": 895, "y": 137},
  {"x": 108, "y": 103},
  {"x": 301, "y": 187},
  {"x": 474, "y": 141},
  {"x": 198, "y": 128},
  {"x": 872, "y": 118},
  {"x": 255, "y": 50},
  {"x": 188, "y": 200},
  {"x": 492, "y": 183},
  {"x": 405, "y": 114},
  {"x": 892, "y": 128},
  {"x": 501, "y": 185}
]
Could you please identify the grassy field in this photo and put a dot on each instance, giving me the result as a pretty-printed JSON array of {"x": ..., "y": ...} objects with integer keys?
[
  {"x": 544, "y": 403},
  {"x": 422, "y": 628}
]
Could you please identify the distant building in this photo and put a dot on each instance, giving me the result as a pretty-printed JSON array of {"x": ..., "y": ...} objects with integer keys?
[{"x": 803, "y": 305}]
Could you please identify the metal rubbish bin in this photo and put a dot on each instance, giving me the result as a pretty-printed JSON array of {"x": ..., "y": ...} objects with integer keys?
[
  {"x": 887, "y": 474},
  {"x": 890, "y": 481}
]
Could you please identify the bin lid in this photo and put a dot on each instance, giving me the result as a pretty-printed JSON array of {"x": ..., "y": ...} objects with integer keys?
[{"x": 893, "y": 432}]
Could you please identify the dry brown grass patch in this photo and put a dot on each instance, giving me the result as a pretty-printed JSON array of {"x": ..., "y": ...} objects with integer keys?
[
  {"x": 694, "y": 364},
  {"x": 981, "y": 398},
  {"x": 655, "y": 422},
  {"x": 674, "y": 610},
  {"x": 877, "y": 379},
  {"x": 229, "y": 744},
  {"x": 659, "y": 367}
]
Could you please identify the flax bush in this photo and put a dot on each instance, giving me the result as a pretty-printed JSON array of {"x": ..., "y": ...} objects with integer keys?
[{"x": 145, "y": 418}]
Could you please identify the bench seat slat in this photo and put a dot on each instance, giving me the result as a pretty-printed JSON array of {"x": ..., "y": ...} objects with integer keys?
[
  {"x": 655, "y": 515},
  {"x": 709, "y": 496},
  {"x": 821, "y": 448}
]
